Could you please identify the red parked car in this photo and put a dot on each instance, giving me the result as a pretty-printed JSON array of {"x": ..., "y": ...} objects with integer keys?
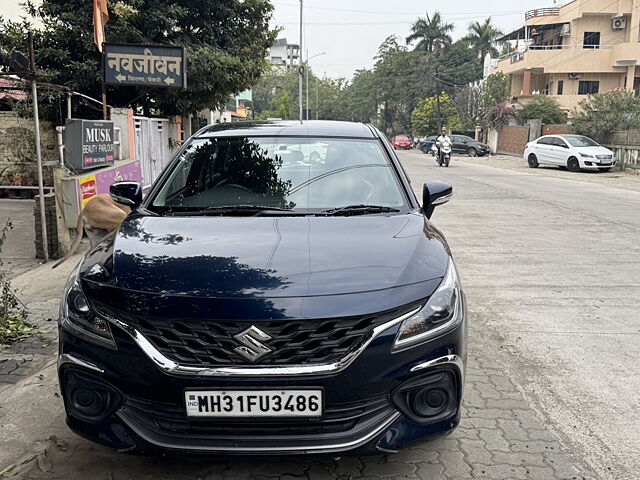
[{"x": 402, "y": 142}]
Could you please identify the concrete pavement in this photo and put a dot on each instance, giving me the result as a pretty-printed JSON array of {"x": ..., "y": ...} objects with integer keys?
[
  {"x": 551, "y": 267},
  {"x": 19, "y": 250}
]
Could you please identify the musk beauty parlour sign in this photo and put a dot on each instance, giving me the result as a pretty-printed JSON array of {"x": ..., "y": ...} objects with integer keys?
[{"x": 88, "y": 144}]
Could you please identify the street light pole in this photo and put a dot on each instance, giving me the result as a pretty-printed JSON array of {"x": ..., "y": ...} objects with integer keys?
[
  {"x": 307, "y": 74},
  {"x": 300, "y": 65}
]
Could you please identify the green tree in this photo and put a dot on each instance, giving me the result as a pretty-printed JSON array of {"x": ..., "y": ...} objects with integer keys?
[
  {"x": 600, "y": 115},
  {"x": 432, "y": 114},
  {"x": 469, "y": 106},
  {"x": 226, "y": 47},
  {"x": 483, "y": 37},
  {"x": 543, "y": 107},
  {"x": 431, "y": 33},
  {"x": 361, "y": 97},
  {"x": 495, "y": 89}
]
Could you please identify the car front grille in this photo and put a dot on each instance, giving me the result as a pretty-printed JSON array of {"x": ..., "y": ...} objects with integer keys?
[
  {"x": 604, "y": 157},
  {"x": 207, "y": 343}
]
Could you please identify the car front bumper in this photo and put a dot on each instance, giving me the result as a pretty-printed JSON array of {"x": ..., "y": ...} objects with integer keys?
[
  {"x": 365, "y": 404},
  {"x": 590, "y": 164}
]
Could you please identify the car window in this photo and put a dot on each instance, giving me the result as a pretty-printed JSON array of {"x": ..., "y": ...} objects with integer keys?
[
  {"x": 402, "y": 138},
  {"x": 456, "y": 139},
  {"x": 545, "y": 141},
  {"x": 291, "y": 173},
  {"x": 581, "y": 142},
  {"x": 558, "y": 142},
  {"x": 467, "y": 139}
]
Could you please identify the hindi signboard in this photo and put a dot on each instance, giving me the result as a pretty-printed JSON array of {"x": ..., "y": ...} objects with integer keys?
[
  {"x": 145, "y": 65},
  {"x": 88, "y": 144}
]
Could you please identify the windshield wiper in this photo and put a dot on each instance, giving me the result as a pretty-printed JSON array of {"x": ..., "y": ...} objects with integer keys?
[
  {"x": 358, "y": 210},
  {"x": 231, "y": 209}
]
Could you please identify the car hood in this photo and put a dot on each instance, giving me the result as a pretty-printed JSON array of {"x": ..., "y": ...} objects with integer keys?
[
  {"x": 594, "y": 150},
  {"x": 384, "y": 261}
]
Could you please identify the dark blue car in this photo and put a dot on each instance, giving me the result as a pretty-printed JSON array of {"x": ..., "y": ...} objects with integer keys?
[{"x": 280, "y": 290}]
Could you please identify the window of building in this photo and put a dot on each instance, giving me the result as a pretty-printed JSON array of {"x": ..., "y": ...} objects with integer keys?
[
  {"x": 591, "y": 40},
  {"x": 560, "y": 87},
  {"x": 588, "y": 87}
]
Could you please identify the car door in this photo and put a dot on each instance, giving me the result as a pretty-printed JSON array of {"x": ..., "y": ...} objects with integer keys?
[
  {"x": 456, "y": 142},
  {"x": 541, "y": 149},
  {"x": 559, "y": 151}
]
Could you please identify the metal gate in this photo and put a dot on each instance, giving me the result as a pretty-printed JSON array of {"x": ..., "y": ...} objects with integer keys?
[{"x": 151, "y": 146}]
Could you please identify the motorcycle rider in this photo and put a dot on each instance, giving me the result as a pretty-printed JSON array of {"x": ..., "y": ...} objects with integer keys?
[{"x": 443, "y": 137}]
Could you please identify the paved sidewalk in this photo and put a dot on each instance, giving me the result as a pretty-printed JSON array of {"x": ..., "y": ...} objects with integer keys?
[
  {"x": 40, "y": 290},
  {"x": 19, "y": 250}
]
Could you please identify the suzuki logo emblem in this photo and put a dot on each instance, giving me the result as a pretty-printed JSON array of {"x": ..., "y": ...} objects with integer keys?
[{"x": 252, "y": 347}]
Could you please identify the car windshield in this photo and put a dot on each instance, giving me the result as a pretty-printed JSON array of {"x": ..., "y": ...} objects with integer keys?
[
  {"x": 581, "y": 142},
  {"x": 402, "y": 138},
  {"x": 297, "y": 174}
]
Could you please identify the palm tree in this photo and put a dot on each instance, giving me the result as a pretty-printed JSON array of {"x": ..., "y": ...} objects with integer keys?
[
  {"x": 483, "y": 37},
  {"x": 431, "y": 33}
]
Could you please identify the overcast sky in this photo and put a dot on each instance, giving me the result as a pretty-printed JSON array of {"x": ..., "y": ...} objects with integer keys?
[{"x": 350, "y": 31}]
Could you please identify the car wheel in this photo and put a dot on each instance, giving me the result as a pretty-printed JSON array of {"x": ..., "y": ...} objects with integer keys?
[
  {"x": 533, "y": 161},
  {"x": 604, "y": 169},
  {"x": 573, "y": 165},
  {"x": 472, "y": 152}
]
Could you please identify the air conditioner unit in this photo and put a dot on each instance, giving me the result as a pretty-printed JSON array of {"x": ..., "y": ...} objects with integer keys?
[
  {"x": 619, "y": 23},
  {"x": 574, "y": 76},
  {"x": 566, "y": 30}
]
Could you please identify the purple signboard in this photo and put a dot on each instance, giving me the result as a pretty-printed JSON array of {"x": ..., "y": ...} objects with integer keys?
[{"x": 99, "y": 182}]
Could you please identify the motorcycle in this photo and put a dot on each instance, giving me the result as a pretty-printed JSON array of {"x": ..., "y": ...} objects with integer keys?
[{"x": 443, "y": 154}]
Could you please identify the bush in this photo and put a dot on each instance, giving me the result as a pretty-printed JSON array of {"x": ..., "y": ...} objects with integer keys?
[
  {"x": 602, "y": 114},
  {"x": 543, "y": 107}
]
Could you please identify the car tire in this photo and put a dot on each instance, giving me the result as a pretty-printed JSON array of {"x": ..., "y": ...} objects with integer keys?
[
  {"x": 533, "y": 161},
  {"x": 604, "y": 169},
  {"x": 472, "y": 152},
  {"x": 573, "y": 164}
]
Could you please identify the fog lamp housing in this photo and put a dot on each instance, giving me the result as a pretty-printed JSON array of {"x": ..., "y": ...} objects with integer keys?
[
  {"x": 88, "y": 397},
  {"x": 429, "y": 398}
]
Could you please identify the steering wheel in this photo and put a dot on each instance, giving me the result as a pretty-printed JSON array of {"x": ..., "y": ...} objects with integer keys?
[{"x": 223, "y": 183}]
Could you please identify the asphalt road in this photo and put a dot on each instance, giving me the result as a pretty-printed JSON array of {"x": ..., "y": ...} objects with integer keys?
[{"x": 551, "y": 267}]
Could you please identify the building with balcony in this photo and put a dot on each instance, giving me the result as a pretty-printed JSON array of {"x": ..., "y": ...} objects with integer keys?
[
  {"x": 284, "y": 54},
  {"x": 572, "y": 50}
]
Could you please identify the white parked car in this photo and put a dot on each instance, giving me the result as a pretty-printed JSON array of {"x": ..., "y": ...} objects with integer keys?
[{"x": 575, "y": 152}]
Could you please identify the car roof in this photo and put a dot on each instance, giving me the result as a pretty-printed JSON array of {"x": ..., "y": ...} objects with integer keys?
[{"x": 286, "y": 128}]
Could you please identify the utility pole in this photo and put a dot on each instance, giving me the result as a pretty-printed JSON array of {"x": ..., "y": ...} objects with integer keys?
[
  {"x": 300, "y": 66},
  {"x": 438, "y": 100},
  {"x": 36, "y": 121},
  {"x": 316, "y": 98},
  {"x": 306, "y": 71}
]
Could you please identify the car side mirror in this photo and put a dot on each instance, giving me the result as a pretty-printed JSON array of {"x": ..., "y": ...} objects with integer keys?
[
  {"x": 434, "y": 194},
  {"x": 126, "y": 193}
]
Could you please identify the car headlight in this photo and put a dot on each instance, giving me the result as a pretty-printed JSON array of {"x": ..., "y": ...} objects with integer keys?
[
  {"x": 442, "y": 312},
  {"x": 77, "y": 316},
  {"x": 586, "y": 155}
]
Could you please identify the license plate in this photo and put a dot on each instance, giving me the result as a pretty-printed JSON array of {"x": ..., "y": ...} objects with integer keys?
[
  {"x": 606, "y": 162},
  {"x": 254, "y": 403}
]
